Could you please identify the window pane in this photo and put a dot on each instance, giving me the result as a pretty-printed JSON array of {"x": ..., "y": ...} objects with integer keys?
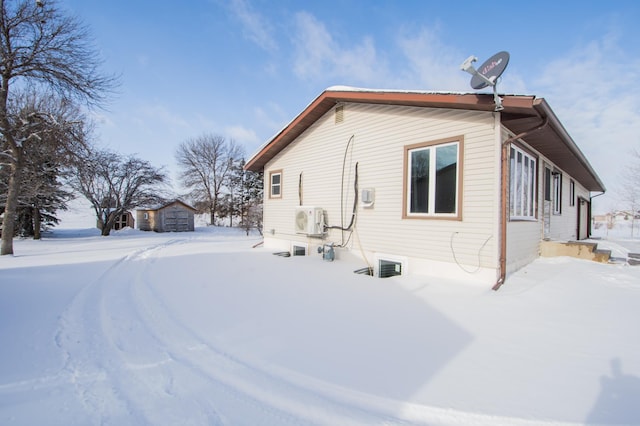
[
  {"x": 446, "y": 178},
  {"x": 531, "y": 194},
  {"x": 519, "y": 184},
  {"x": 276, "y": 178},
  {"x": 512, "y": 180},
  {"x": 522, "y": 184},
  {"x": 557, "y": 193},
  {"x": 525, "y": 189},
  {"x": 547, "y": 184},
  {"x": 419, "y": 197}
]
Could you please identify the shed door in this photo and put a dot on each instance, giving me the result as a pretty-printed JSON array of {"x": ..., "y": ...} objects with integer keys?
[
  {"x": 122, "y": 221},
  {"x": 176, "y": 220}
]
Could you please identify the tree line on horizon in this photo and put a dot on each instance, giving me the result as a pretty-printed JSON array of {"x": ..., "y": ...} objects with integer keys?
[{"x": 50, "y": 80}]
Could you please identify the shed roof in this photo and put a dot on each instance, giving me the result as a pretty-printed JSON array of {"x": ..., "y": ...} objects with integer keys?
[
  {"x": 168, "y": 203},
  {"x": 520, "y": 113}
]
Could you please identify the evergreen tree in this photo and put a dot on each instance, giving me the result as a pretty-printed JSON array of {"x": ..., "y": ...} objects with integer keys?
[{"x": 252, "y": 193}]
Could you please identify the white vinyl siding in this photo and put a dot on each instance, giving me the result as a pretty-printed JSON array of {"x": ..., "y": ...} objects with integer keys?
[
  {"x": 523, "y": 237},
  {"x": 314, "y": 162}
]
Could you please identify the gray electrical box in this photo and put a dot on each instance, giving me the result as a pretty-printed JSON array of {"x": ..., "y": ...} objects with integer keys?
[{"x": 367, "y": 197}]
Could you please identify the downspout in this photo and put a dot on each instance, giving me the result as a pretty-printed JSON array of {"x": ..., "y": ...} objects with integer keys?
[{"x": 504, "y": 198}]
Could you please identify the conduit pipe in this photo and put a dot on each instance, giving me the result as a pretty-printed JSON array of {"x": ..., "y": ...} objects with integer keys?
[{"x": 504, "y": 197}]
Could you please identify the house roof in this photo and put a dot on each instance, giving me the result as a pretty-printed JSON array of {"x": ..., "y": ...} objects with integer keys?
[{"x": 520, "y": 113}]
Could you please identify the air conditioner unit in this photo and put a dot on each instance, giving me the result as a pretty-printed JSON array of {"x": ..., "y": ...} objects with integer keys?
[{"x": 309, "y": 221}]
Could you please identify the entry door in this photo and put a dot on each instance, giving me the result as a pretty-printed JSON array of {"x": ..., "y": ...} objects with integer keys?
[
  {"x": 121, "y": 222},
  {"x": 583, "y": 219}
]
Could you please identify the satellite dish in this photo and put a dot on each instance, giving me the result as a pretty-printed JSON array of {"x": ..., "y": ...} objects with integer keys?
[
  {"x": 491, "y": 70},
  {"x": 488, "y": 74}
]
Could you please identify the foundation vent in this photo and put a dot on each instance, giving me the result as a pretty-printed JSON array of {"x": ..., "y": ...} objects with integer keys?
[
  {"x": 339, "y": 114},
  {"x": 389, "y": 268}
]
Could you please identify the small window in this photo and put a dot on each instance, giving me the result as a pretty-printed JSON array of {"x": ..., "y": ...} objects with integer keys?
[
  {"x": 146, "y": 215},
  {"x": 557, "y": 193},
  {"x": 522, "y": 181},
  {"x": 299, "y": 250},
  {"x": 275, "y": 184},
  {"x": 572, "y": 193},
  {"x": 433, "y": 179}
]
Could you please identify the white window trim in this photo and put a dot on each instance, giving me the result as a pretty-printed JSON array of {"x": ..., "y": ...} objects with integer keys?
[
  {"x": 527, "y": 194},
  {"x": 572, "y": 193},
  {"x": 557, "y": 192}
]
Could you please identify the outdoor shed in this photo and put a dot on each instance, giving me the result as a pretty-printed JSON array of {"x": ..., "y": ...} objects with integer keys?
[
  {"x": 122, "y": 221},
  {"x": 174, "y": 216},
  {"x": 429, "y": 183}
]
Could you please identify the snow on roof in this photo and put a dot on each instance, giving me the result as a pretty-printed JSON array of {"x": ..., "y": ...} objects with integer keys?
[{"x": 341, "y": 88}]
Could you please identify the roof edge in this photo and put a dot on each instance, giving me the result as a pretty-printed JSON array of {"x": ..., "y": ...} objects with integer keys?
[
  {"x": 543, "y": 106},
  {"x": 337, "y": 94}
]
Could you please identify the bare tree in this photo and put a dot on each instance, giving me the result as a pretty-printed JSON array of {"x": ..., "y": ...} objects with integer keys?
[
  {"x": 114, "y": 184},
  {"x": 630, "y": 188},
  {"x": 206, "y": 163},
  {"x": 41, "y": 51}
]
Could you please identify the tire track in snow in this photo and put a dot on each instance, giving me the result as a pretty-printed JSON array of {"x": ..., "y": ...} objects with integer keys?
[
  {"x": 290, "y": 402},
  {"x": 123, "y": 374},
  {"x": 93, "y": 365}
]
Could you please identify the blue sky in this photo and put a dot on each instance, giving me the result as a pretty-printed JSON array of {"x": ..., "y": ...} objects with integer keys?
[{"x": 244, "y": 68}]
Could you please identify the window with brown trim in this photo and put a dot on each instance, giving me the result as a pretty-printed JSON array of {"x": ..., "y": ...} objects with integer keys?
[
  {"x": 275, "y": 184},
  {"x": 433, "y": 179}
]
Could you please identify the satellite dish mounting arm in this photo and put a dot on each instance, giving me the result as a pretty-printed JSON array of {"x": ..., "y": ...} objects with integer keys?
[{"x": 481, "y": 80}]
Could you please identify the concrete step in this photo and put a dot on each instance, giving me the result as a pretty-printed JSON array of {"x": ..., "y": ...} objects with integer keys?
[{"x": 577, "y": 249}]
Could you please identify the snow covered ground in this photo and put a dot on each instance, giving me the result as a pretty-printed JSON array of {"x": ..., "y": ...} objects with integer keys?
[{"x": 202, "y": 329}]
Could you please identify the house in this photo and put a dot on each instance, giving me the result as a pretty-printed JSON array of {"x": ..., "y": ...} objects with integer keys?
[
  {"x": 425, "y": 183},
  {"x": 174, "y": 216}
]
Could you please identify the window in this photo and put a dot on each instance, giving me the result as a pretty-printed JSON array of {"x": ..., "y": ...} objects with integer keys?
[
  {"x": 557, "y": 193},
  {"x": 432, "y": 179},
  {"x": 572, "y": 193},
  {"x": 275, "y": 184},
  {"x": 522, "y": 185},
  {"x": 547, "y": 184},
  {"x": 298, "y": 250}
]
